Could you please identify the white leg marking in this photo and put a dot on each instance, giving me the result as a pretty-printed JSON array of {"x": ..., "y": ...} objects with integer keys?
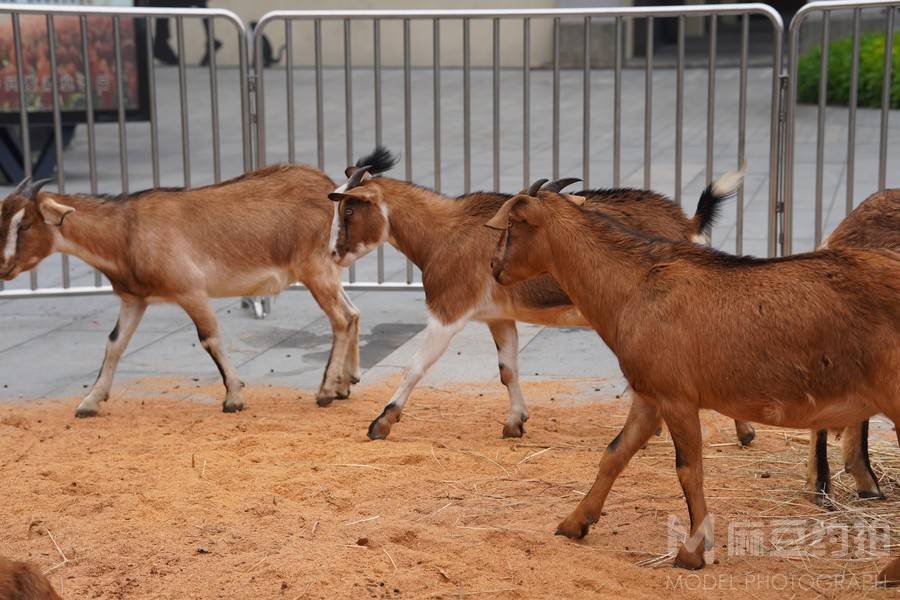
[
  {"x": 130, "y": 314},
  {"x": 437, "y": 338},
  {"x": 12, "y": 237},
  {"x": 507, "y": 338}
]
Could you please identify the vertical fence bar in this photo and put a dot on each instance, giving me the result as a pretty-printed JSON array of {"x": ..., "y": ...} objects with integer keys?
[
  {"x": 289, "y": 82},
  {"x": 851, "y": 112},
  {"x": 586, "y": 101},
  {"x": 496, "y": 104},
  {"x": 214, "y": 98},
  {"x": 711, "y": 97},
  {"x": 556, "y": 98},
  {"x": 648, "y": 103},
  {"x": 679, "y": 111},
  {"x": 57, "y": 133},
  {"x": 376, "y": 66},
  {"x": 151, "y": 91},
  {"x": 820, "y": 126},
  {"x": 787, "y": 192},
  {"x": 89, "y": 113},
  {"x": 526, "y": 101},
  {"x": 185, "y": 118},
  {"x": 742, "y": 133},
  {"x": 436, "y": 80},
  {"x": 778, "y": 137},
  {"x": 348, "y": 109},
  {"x": 246, "y": 116},
  {"x": 886, "y": 97},
  {"x": 407, "y": 117},
  {"x": 23, "y": 116},
  {"x": 617, "y": 107},
  {"x": 467, "y": 109},
  {"x": 120, "y": 105},
  {"x": 259, "y": 80},
  {"x": 320, "y": 107}
]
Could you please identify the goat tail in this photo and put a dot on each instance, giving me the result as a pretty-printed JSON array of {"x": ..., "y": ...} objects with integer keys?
[{"x": 710, "y": 204}]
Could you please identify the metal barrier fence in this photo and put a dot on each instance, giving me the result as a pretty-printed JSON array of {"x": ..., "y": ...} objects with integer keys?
[
  {"x": 836, "y": 170},
  {"x": 472, "y": 113},
  {"x": 428, "y": 90},
  {"x": 162, "y": 145}
]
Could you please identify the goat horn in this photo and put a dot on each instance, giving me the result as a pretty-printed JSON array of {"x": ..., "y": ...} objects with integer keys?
[
  {"x": 560, "y": 184},
  {"x": 34, "y": 187},
  {"x": 534, "y": 187},
  {"x": 21, "y": 187},
  {"x": 357, "y": 176}
]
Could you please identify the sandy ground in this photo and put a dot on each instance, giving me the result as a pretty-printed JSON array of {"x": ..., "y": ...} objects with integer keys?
[{"x": 163, "y": 496}]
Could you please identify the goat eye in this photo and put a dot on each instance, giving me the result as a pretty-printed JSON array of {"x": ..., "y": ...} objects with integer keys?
[
  {"x": 24, "y": 226},
  {"x": 348, "y": 211}
]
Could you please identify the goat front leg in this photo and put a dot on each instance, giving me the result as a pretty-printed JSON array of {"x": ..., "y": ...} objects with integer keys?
[
  {"x": 745, "y": 432},
  {"x": 642, "y": 422},
  {"x": 131, "y": 311},
  {"x": 818, "y": 472},
  {"x": 855, "y": 446},
  {"x": 344, "y": 318},
  {"x": 204, "y": 317},
  {"x": 506, "y": 338},
  {"x": 437, "y": 338},
  {"x": 684, "y": 427}
]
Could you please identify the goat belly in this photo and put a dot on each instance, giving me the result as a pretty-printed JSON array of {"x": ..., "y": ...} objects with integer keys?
[{"x": 265, "y": 282}]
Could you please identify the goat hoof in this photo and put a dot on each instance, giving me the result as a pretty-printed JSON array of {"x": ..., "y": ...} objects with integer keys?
[
  {"x": 381, "y": 426},
  {"x": 689, "y": 560},
  {"x": 573, "y": 529},
  {"x": 822, "y": 500},
  {"x": 324, "y": 399},
  {"x": 748, "y": 438},
  {"x": 83, "y": 413},
  {"x": 514, "y": 430},
  {"x": 870, "y": 495},
  {"x": 232, "y": 407},
  {"x": 343, "y": 394}
]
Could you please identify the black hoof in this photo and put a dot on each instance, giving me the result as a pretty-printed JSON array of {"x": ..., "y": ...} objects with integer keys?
[
  {"x": 324, "y": 401},
  {"x": 232, "y": 408},
  {"x": 747, "y": 438},
  {"x": 378, "y": 430},
  {"x": 84, "y": 413},
  {"x": 867, "y": 495},
  {"x": 354, "y": 379},
  {"x": 513, "y": 431}
]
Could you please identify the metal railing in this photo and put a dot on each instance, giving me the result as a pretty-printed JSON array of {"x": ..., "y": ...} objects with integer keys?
[
  {"x": 358, "y": 92},
  {"x": 477, "y": 114},
  {"x": 78, "y": 280},
  {"x": 841, "y": 173}
]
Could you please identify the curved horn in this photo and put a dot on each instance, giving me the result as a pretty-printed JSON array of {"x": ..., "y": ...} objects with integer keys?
[
  {"x": 34, "y": 187},
  {"x": 534, "y": 187},
  {"x": 357, "y": 176},
  {"x": 560, "y": 184},
  {"x": 21, "y": 187}
]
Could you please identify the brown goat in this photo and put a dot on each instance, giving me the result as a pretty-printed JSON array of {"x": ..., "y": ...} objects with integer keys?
[
  {"x": 875, "y": 223},
  {"x": 439, "y": 234},
  {"x": 23, "y": 581},
  {"x": 252, "y": 235},
  {"x": 811, "y": 340}
]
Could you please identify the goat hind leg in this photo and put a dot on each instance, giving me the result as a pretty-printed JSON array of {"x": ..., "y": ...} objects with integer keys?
[
  {"x": 818, "y": 473},
  {"x": 351, "y": 365},
  {"x": 130, "y": 314},
  {"x": 506, "y": 338},
  {"x": 855, "y": 447},
  {"x": 642, "y": 422},
  {"x": 684, "y": 427},
  {"x": 437, "y": 338},
  {"x": 204, "y": 318}
]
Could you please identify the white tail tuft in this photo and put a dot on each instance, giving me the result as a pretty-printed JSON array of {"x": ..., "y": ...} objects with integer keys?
[{"x": 728, "y": 183}]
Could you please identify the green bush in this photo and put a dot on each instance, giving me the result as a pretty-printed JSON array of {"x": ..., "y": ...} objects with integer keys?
[{"x": 871, "y": 72}]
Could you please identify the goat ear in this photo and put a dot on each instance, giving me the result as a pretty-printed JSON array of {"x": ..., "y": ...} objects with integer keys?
[
  {"x": 500, "y": 221},
  {"x": 576, "y": 200},
  {"x": 338, "y": 196},
  {"x": 350, "y": 171},
  {"x": 53, "y": 212}
]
